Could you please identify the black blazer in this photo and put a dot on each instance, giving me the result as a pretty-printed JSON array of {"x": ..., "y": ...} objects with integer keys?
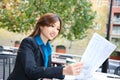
[{"x": 29, "y": 63}]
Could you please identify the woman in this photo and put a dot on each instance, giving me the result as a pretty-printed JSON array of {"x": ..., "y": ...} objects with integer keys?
[{"x": 34, "y": 55}]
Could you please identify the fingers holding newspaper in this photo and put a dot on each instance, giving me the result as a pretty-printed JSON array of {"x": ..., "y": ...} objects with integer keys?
[{"x": 73, "y": 69}]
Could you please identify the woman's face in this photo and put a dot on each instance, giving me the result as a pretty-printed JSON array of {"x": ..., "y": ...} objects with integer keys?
[{"x": 49, "y": 33}]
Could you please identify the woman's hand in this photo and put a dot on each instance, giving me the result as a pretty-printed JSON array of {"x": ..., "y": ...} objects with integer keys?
[{"x": 73, "y": 69}]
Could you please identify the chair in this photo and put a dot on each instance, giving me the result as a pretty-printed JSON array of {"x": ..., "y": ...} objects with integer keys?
[
  {"x": 117, "y": 71},
  {"x": 1, "y": 48}
]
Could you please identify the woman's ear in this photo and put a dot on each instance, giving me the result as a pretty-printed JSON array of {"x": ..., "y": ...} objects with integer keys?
[{"x": 41, "y": 28}]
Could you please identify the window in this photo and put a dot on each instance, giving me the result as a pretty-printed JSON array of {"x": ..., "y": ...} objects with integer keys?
[
  {"x": 116, "y": 41},
  {"x": 116, "y": 18},
  {"x": 116, "y": 30},
  {"x": 99, "y": 2},
  {"x": 116, "y": 2},
  {"x": 96, "y": 26}
]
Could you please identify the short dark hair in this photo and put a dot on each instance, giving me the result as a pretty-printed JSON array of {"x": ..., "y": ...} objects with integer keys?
[{"x": 17, "y": 42}]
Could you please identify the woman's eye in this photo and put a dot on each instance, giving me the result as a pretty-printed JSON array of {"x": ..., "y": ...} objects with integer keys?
[
  {"x": 52, "y": 26},
  {"x": 58, "y": 29}
]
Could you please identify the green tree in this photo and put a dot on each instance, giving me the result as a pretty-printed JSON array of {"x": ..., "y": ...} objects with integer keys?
[{"x": 21, "y": 15}]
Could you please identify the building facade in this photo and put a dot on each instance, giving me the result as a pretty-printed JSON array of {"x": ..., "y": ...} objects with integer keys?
[
  {"x": 101, "y": 20},
  {"x": 115, "y": 23}
]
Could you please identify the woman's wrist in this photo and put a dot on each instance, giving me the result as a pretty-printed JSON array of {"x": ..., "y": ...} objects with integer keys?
[{"x": 64, "y": 71}]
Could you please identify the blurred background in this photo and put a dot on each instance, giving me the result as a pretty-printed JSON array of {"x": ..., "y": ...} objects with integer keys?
[{"x": 81, "y": 19}]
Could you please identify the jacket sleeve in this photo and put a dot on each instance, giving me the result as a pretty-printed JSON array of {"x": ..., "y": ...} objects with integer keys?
[{"x": 27, "y": 60}]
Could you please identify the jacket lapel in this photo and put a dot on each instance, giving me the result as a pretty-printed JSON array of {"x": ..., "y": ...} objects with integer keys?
[{"x": 41, "y": 52}]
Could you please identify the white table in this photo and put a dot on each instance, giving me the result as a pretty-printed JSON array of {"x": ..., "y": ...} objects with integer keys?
[{"x": 97, "y": 76}]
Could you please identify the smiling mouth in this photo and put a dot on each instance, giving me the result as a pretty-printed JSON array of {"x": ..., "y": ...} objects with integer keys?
[{"x": 52, "y": 35}]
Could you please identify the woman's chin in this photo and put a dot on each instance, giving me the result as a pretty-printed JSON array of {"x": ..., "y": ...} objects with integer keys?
[{"x": 50, "y": 39}]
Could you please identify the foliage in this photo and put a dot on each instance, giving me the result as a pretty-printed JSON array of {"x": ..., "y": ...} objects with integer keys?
[
  {"x": 116, "y": 53},
  {"x": 21, "y": 15}
]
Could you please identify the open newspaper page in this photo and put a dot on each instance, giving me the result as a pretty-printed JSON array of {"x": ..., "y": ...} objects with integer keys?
[{"x": 97, "y": 51}]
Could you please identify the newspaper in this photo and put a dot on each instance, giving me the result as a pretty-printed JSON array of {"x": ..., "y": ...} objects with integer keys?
[{"x": 97, "y": 51}]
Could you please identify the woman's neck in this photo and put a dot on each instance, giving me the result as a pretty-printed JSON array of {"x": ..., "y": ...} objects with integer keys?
[{"x": 44, "y": 39}]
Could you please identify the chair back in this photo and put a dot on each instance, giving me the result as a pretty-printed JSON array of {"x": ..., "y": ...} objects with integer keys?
[
  {"x": 1, "y": 48},
  {"x": 117, "y": 71}
]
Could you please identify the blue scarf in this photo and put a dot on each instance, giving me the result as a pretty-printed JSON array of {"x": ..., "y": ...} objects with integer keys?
[{"x": 47, "y": 49}]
